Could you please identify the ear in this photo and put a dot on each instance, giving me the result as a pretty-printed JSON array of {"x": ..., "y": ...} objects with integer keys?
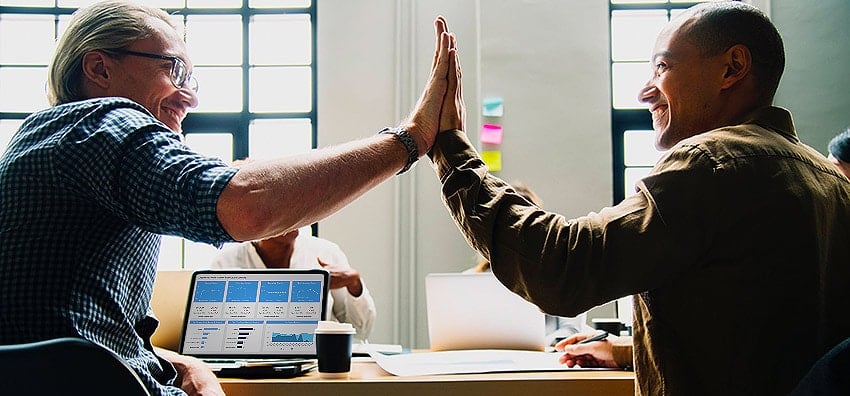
[
  {"x": 96, "y": 69},
  {"x": 738, "y": 62}
]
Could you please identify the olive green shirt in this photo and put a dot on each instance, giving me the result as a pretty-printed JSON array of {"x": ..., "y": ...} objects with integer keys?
[{"x": 736, "y": 248}]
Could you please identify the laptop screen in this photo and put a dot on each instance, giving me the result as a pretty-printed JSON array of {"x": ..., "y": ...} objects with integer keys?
[{"x": 269, "y": 313}]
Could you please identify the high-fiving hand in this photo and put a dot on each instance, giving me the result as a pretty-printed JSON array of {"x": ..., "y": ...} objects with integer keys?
[
  {"x": 441, "y": 106},
  {"x": 453, "y": 114},
  {"x": 424, "y": 122}
]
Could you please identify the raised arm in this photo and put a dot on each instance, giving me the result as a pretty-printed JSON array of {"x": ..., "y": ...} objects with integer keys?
[{"x": 271, "y": 197}]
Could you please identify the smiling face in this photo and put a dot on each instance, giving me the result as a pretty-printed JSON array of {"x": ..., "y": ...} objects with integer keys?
[
  {"x": 684, "y": 89},
  {"x": 148, "y": 81}
]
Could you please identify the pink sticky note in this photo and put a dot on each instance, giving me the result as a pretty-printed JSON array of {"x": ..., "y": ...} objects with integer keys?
[{"x": 491, "y": 134}]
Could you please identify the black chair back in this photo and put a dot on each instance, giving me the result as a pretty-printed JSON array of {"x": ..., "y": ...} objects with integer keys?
[{"x": 66, "y": 366}]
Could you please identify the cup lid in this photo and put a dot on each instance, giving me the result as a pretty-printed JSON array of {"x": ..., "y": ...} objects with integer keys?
[{"x": 331, "y": 327}]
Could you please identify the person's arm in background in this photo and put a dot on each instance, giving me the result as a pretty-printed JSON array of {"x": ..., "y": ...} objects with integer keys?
[
  {"x": 271, "y": 197},
  {"x": 193, "y": 376},
  {"x": 352, "y": 301}
]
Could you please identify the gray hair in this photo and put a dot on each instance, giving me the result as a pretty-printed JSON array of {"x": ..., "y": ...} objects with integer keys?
[{"x": 107, "y": 25}]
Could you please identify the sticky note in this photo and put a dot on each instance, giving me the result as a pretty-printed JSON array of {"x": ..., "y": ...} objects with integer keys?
[
  {"x": 493, "y": 160},
  {"x": 491, "y": 134},
  {"x": 493, "y": 107}
]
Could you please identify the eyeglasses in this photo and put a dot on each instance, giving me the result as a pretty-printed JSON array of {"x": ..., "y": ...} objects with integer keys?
[{"x": 179, "y": 72}]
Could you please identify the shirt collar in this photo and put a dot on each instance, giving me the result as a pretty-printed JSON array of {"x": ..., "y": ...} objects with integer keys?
[{"x": 776, "y": 119}]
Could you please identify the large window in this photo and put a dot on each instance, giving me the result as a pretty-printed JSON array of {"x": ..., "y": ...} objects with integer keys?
[
  {"x": 634, "y": 26},
  {"x": 254, "y": 60}
]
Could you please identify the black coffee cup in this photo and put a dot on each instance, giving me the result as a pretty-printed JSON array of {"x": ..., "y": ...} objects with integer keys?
[{"x": 333, "y": 349}]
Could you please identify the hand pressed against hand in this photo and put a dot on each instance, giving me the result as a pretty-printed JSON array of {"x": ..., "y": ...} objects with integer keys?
[
  {"x": 592, "y": 354},
  {"x": 453, "y": 115},
  {"x": 343, "y": 277},
  {"x": 424, "y": 122}
]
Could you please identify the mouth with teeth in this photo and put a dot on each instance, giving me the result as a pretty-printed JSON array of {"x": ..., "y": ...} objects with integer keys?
[
  {"x": 659, "y": 114},
  {"x": 175, "y": 115}
]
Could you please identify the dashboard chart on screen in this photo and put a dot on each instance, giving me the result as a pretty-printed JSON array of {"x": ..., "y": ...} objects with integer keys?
[{"x": 254, "y": 313}]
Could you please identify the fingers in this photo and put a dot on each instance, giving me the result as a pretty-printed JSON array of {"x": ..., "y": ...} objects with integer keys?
[
  {"x": 442, "y": 65},
  {"x": 459, "y": 105},
  {"x": 451, "y": 76},
  {"x": 453, "y": 112},
  {"x": 573, "y": 339},
  {"x": 424, "y": 122},
  {"x": 440, "y": 27},
  {"x": 583, "y": 361},
  {"x": 576, "y": 349}
]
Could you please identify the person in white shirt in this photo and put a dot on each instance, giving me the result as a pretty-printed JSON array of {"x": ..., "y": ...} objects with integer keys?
[{"x": 349, "y": 299}]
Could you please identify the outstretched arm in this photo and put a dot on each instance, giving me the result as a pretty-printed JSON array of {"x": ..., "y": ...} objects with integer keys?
[{"x": 269, "y": 198}]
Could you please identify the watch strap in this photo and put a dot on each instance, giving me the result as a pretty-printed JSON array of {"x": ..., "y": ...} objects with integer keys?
[{"x": 409, "y": 144}]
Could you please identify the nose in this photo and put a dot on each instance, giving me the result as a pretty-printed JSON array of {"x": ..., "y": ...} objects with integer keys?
[
  {"x": 648, "y": 93},
  {"x": 189, "y": 96}
]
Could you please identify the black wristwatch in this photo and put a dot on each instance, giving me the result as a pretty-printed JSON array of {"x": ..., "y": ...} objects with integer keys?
[{"x": 409, "y": 145}]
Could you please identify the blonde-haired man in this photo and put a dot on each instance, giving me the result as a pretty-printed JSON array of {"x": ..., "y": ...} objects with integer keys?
[{"x": 88, "y": 186}]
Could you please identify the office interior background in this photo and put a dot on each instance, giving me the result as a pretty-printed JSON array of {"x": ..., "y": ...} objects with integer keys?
[{"x": 280, "y": 77}]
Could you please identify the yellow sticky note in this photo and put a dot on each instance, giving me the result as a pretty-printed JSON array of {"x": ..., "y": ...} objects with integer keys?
[{"x": 493, "y": 159}]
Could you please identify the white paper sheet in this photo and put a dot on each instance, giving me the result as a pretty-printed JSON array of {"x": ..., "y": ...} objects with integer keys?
[{"x": 468, "y": 362}]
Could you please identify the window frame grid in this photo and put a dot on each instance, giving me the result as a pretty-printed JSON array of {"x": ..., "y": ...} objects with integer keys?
[
  {"x": 214, "y": 122},
  {"x": 623, "y": 120},
  {"x": 197, "y": 122}
]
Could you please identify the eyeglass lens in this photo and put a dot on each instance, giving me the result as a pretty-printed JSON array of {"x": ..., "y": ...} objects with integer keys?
[{"x": 178, "y": 73}]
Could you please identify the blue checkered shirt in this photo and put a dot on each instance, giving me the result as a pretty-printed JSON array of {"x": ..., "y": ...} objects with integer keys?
[{"x": 86, "y": 190}]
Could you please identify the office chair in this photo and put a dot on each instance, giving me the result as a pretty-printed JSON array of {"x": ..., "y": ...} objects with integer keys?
[{"x": 65, "y": 366}]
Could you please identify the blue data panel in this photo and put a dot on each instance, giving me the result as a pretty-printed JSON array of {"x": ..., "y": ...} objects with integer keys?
[
  {"x": 306, "y": 291},
  {"x": 242, "y": 291},
  {"x": 209, "y": 291},
  {"x": 274, "y": 291}
]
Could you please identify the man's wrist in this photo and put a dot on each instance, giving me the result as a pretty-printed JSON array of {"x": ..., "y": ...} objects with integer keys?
[{"x": 409, "y": 145}]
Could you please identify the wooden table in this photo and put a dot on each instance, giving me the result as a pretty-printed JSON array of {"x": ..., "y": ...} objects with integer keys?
[{"x": 368, "y": 379}]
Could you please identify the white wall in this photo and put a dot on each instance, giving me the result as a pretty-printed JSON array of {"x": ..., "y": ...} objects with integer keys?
[
  {"x": 373, "y": 59},
  {"x": 549, "y": 60},
  {"x": 816, "y": 83}
]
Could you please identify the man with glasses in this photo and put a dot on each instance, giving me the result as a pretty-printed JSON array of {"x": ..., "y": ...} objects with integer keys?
[{"x": 88, "y": 186}]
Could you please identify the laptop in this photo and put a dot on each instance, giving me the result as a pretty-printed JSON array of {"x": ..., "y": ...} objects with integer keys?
[
  {"x": 475, "y": 311},
  {"x": 237, "y": 319}
]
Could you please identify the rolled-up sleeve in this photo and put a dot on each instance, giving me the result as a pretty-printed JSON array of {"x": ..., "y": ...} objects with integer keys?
[{"x": 142, "y": 172}]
